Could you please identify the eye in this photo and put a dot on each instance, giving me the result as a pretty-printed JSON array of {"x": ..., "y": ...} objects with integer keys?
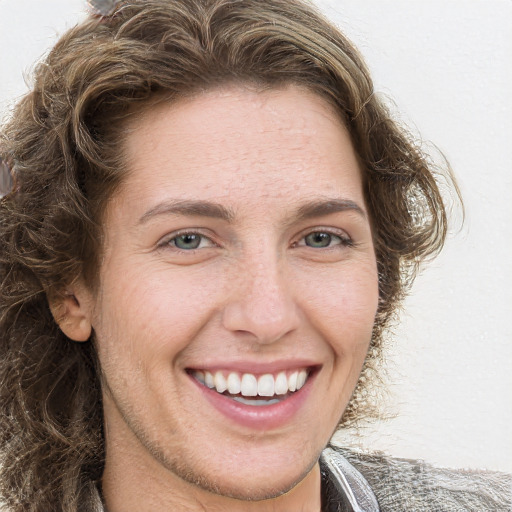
[
  {"x": 324, "y": 240},
  {"x": 189, "y": 241},
  {"x": 319, "y": 239}
]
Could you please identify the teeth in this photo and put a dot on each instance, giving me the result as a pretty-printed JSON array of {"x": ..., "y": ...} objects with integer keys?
[
  {"x": 292, "y": 381},
  {"x": 208, "y": 380},
  {"x": 266, "y": 385},
  {"x": 220, "y": 382},
  {"x": 256, "y": 402},
  {"x": 281, "y": 384},
  {"x": 301, "y": 379},
  {"x": 248, "y": 385},
  {"x": 234, "y": 383},
  {"x": 200, "y": 377}
]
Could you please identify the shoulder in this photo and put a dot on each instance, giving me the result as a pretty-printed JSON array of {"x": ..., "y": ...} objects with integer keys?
[{"x": 414, "y": 485}]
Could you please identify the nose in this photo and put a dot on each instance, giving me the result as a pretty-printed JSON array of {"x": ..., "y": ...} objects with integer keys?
[{"x": 261, "y": 303}]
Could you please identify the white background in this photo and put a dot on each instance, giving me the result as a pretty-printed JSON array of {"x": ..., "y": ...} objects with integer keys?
[{"x": 448, "y": 66}]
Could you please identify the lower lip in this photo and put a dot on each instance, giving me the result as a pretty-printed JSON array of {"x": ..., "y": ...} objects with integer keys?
[{"x": 258, "y": 417}]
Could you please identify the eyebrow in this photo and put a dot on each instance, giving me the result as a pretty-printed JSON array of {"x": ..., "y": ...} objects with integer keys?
[
  {"x": 317, "y": 208},
  {"x": 190, "y": 208}
]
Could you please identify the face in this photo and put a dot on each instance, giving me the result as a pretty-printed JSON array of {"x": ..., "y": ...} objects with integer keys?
[{"x": 238, "y": 290}]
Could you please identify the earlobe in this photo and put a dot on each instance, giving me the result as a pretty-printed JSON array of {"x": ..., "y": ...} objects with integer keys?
[{"x": 73, "y": 316}]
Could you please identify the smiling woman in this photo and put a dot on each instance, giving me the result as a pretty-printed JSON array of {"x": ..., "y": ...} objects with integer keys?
[
  {"x": 211, "y": 222},
  {"x": 188, "y": 293}
]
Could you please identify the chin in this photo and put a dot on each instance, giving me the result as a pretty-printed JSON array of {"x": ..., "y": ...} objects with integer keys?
[
  {"x": 257, "y": 489},
  {"x": 250, "y": 484}
]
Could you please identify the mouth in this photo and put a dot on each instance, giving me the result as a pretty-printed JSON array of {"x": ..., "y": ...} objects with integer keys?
[{"x": 251, "y": 389}]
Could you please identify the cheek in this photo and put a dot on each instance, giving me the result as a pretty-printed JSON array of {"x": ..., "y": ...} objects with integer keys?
[
  {"x": 155, "y": 315},
  {"x": 343, "y": 306}
]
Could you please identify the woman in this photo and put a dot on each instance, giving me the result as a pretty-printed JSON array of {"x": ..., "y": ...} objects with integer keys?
[{"x": 212, "y": 221}]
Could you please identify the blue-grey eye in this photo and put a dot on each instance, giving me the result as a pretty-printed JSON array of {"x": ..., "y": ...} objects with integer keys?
[
  {"x": 320, "y": 239},
  {"x": 187, "y": 241}
]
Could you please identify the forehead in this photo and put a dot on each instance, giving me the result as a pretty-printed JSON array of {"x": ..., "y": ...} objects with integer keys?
[{"x": 239, "y": 146}]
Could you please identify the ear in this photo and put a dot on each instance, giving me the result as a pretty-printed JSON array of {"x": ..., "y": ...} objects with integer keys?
[{"x": 72, "y": 312}]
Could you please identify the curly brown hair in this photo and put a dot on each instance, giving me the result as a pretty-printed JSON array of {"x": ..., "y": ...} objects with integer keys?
[{"x": 62, "y": 144}]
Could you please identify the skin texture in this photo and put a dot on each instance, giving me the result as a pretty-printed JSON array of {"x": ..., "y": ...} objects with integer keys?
[{"x": 253, "y": 293}]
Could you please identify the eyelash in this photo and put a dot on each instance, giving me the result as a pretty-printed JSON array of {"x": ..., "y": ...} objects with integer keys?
[
  {"x": 345, "y": 240},
  {"x": 171, "y": 241}
]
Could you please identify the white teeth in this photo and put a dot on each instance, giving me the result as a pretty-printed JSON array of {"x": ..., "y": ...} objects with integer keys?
[
  {"x": 301, "y": 379},
  {"x": 234, "y": 383},
  {"x": 292, "y": 381},
  {"x": 258, "y": 403},
  {"x": 281, "y": 384},
  {"x": 266, "y": 385},
  {"x": 249, "y": 385},
  {"x": 220, "y": 382},
  {"x": 208, "y": 380}
]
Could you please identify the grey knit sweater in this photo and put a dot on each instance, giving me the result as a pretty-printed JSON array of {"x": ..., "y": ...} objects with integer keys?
[{"x": 401, "y": 485}]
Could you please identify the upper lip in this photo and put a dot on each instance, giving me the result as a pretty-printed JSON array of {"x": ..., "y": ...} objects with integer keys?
[{"x": 255, "y": 367}]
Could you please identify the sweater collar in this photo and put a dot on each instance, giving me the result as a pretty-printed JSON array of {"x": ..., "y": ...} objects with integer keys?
[{"x": 344, "y": 489}]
